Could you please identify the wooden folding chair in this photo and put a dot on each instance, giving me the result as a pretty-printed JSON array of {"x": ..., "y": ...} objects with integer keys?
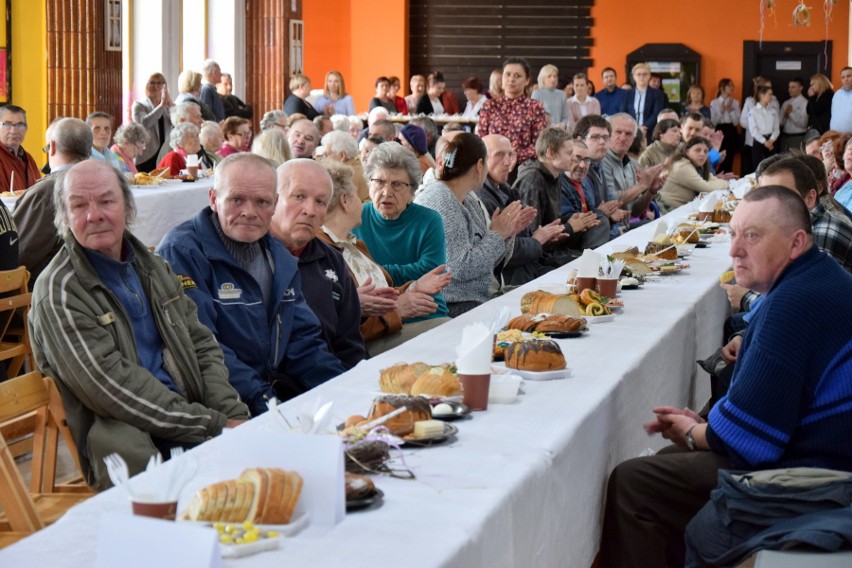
[
  {"x": 24, "y": 513},
  {"x": 15, "y": 300},
  {"x": 34, "y": 399}
]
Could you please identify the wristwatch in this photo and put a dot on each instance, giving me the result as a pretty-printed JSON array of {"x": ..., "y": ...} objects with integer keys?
[{"x": 690, "y": 441}]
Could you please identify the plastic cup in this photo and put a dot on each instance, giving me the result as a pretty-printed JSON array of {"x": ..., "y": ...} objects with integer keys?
[
  {"x": 504, "y": 389},
  {"x": 166, "y": 511},
  {"x": 585, "y": 283},
  {"x": 192, "y": 170},
  {"x": 475, "y": 390},
  {"x": 607, "y": 287}
]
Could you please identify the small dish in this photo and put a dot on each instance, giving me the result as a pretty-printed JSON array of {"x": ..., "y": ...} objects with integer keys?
[
  {"x": 459, "y": 411},
  {"x": 600, "y": 319},
  {"x": 449, "y": 431},
  {"x": 372, "y": 502},
  {"x": 564, "y": 334},
  {"x": 533, "y": 375}
]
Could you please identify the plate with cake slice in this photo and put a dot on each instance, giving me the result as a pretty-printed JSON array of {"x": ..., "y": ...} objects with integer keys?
[{"x": 431, "y": 438}]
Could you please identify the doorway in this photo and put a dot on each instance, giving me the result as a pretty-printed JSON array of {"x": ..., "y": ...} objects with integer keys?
[{"x": 782, "y": 61}]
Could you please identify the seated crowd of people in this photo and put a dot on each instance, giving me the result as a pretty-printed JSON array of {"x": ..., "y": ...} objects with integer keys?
[{"x": 326, "y": 242}]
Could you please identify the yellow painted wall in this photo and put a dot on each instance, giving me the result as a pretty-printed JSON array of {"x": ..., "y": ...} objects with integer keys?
[{"x": 29, "y": 70}]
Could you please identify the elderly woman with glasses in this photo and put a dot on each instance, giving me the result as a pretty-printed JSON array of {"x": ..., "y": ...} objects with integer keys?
[
  {"x": 406, "y": 239},
  {"x": 237, "y": 132},
  {"x": 130, "y": 142},
  {"x": 183, "y": 141},
  {"x": 385, "y": 306}
]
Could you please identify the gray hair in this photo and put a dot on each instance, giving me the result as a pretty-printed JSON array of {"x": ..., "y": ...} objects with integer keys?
[
  {"x": 272, "y": 118},
  {"x": 340, "y": 122},
  {"x": 73, "y": 139},
  {"x": 208, "y": 67},
  {"x": 253, "y": 160},
  {"x": 624, "y": 116},
  {"x": 341, "y": 182},
  {"x": 337, "y": 141},
  {"x": 178, "y": 111},
  {"x": 355, "y": 121},
  {"x": 131, "y": 133},
  {"x": 209, "y": 129},
  {"x": 272, "y": 144},
  {"x": 392, "y": 156},
  {"x": 60, "y": 215},
  {"x": 179, "y": 133}
]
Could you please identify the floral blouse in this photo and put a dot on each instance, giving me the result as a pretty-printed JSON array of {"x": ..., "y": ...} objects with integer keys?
[{"x": 520, "y": 120}]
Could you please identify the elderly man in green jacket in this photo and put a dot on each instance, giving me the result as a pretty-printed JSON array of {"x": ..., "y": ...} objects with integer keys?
[{"x": 110, "y": 322}]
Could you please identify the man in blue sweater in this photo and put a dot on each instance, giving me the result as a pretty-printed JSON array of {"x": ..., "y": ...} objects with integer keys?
[{"x": 788, "y": 404}]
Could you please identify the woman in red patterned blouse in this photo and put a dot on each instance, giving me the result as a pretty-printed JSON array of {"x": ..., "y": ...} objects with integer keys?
[{"x": 514, "y": 115}]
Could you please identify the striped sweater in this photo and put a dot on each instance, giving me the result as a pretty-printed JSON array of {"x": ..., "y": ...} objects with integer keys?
[{"x": 790, "y": 401}]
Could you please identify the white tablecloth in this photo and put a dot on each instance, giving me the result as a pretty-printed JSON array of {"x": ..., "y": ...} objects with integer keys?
[
  {"x": 160, "y": 208},
  {"x": 523, "y": 484}
]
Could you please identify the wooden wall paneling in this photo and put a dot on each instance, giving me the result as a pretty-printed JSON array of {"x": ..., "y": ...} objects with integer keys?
[
  {"x": 82, "y": 75},
  {"x": 474, "y": 38}
]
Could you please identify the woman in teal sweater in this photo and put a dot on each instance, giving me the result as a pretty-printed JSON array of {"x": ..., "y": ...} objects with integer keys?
[{"x": 405, "y": 238}]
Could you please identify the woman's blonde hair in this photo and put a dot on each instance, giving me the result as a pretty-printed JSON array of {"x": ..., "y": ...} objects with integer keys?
[
  {"x": 545, "y": 71},
  {"x": 189, "y": 81},
  {"x": 342, "y": 91},
  {"x": 272, "y": 144},
  {"x": 822, "y": 83},
  {"x": 297, "y": 81}
]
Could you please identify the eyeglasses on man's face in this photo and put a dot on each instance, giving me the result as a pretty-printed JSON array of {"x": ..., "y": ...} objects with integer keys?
[{"x": 15, "y": 125}]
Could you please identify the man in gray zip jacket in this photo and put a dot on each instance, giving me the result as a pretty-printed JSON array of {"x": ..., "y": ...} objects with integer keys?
[{"x": 137, "y": 371}]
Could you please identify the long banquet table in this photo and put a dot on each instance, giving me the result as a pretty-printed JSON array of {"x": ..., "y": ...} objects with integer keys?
[
  {"x": 523, "y": 484},
  {"x": 160, "y": 207}
]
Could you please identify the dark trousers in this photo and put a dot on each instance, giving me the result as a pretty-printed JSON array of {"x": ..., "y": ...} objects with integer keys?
[
  {"x": 649, "y": 502},
  {"x": 759, "y": 152},
  {"x": 730, "y": 144}
]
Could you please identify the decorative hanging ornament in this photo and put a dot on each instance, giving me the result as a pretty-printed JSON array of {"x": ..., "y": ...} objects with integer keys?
[
  {"x": 827, "y": 7},
  {"x": 801, "y": 15},
  {"x": 766, "y": 7}
]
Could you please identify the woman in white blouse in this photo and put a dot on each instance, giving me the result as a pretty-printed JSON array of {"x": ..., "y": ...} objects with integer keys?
[
  {"x": 763, "y": 125},
  {"x": 748, "y": 105},
  {"x": 725, "y": 114},
  {"x": 582, "y": 103}
]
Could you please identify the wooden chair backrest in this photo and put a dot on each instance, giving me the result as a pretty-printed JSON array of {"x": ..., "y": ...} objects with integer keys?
[
  {"x": 34, "y": 393},
  {"x": 15, "y": 302}
]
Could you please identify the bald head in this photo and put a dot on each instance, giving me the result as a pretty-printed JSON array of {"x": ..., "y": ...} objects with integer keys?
[{"x": 501, "y": 157}]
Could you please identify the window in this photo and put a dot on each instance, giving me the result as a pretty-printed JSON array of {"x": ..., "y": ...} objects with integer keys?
[
  {"x": 112, "y": 25},
  {"x": 296, "y": 46}
]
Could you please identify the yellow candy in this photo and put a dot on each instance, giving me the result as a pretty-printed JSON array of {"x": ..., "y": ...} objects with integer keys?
[
  {"x": 248, "y": 525},
  {"x": 250, "y": 537},
  {"x": 240, "y": 541},
  {"x": 272, "y": 534},
  {"x": 225, "y": 539}
]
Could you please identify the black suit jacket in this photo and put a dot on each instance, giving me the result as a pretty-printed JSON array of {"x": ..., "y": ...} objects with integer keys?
[{"x": 655, "y": 101}]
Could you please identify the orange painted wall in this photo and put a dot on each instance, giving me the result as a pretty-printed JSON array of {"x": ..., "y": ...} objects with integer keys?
[
  {"x": 715, "y": 29},
  {"x": 363, "y": 39},
  {"x": 327, "y": 39}
]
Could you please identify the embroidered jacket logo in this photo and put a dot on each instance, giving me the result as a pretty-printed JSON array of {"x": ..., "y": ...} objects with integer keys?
[
  {"x": 227, "y": 291},
  {"x": 186, "y": 282},
  {"x": 331, "y": 275}
]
